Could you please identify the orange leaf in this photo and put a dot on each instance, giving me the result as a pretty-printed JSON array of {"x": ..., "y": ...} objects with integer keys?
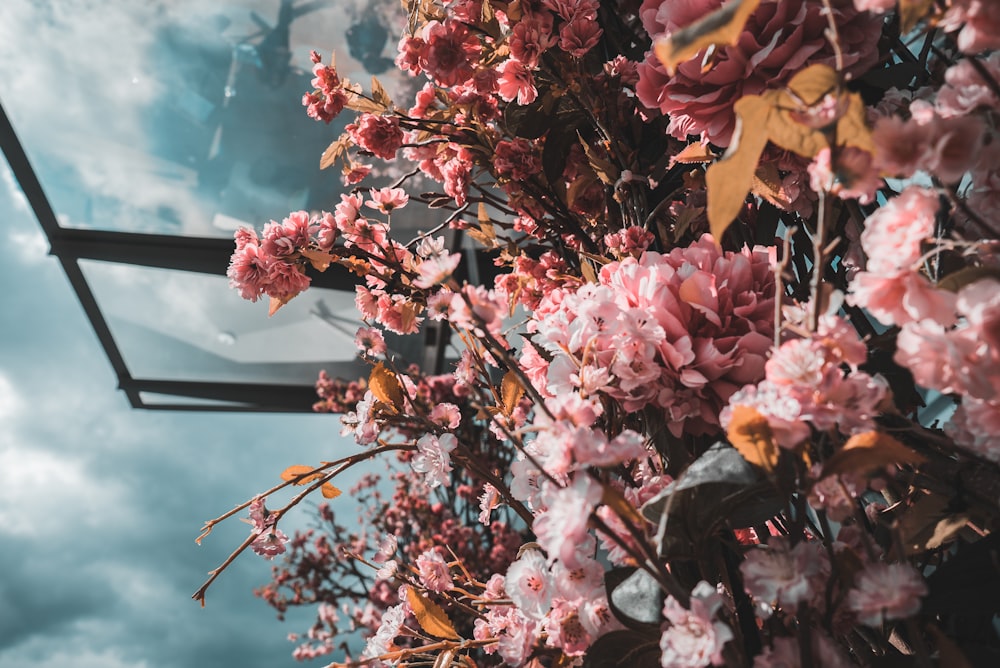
[
  {"x": 750, "y": 433},
  {"x": 728, "y": 181},
  {"x": 720, "y": 28},
  {"x": 911, "y": 12},
  {"x": 430, "y": 616},
  {"x": 693, "y": 153},
  {"x": 385, "y": 386},
  {"x": 329, "y": 491},
  {"x": 274, "y": 304},
  {"x": 869, "y": 451},
  {"x": 308, "y": 472},
  {"x": 511, "y": 392},
  {"x": 334, "y": 150},
  {"x": 614, "y": 499},
  {"x": 318, "y": 259}
]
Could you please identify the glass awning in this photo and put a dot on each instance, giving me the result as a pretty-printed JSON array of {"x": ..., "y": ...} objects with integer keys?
[{"x": 143, "y": 134}]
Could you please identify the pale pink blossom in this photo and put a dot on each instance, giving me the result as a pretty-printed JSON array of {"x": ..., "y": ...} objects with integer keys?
[
  {"x": 270, "y": 541},
  {"x": 436, "y": 269},
  {"x": 977, "y": 23},
  {"x": 694, "y": 638},
  {"x": 433, "y": 458},
  {"x": 886, "y": 591},
  {"x": 529, "y": 585},
  {"x": 387, "y": 200},
  {"x": 785, "y": 576},
  {"x": 446, "y": 415},
  {"x": 785, "y": 653},
  {"x": 875, "y": 6},
  {"x": 565, "y": 629},
  {"x": 433, "y": 571},
  {"x": 488, "y": 500},
  {"x": 562, "y": 526},
  {"x": 369, "y": 342},
  {"x": 975, "y": 425},
  {"x": 965, "y": 91},
  {"x": 893, "y": 234}
]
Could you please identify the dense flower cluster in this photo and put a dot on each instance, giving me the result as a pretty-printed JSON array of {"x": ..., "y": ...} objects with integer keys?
[{"x": 736, "y": 409}]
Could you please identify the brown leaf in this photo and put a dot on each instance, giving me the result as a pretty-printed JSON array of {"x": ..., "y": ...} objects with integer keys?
[
  {"x": 319, "y": 260},
  {"x": 274, "y": 304},
  {"x": 767, "y": 183},
  {"x": 957, "y": 280},
  {"x": 511, "y": 391},
  {"x": 615, "y": 500},
  {"x": 868, "y": 452},
  {"x": 379, "y": 94},
  {"x": 430, "y": 616},
  {"x": 334, "y": 150},
  {"x": 720, "y": 28},
  {"x": 928, "y": 524},
  {"x": 728, "y": 181},
  {"x": 852, "y": 128},
  {"x": 308, "y": 472},
  {"x": 812, "y": 84},
  {"x": 385, "y": 386},
  {"x": 329, "y": 491},
  {"x": 788, "y": 133},
  {"x": 605, "y": 171},
  {"x": 750, "y": 433}
]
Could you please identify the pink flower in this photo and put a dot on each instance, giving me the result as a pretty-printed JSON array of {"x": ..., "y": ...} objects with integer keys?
[
  {"x": 379, "y": 135},
  {"x": 436, "y": 269},
  {"x": 249, "y": 270},
  {"x": 853, "y": 177},
  {"x": 433, "y": 460},
  {"x": 328, "y": 99},
  {"x": 530, "y": 38},
  {"x": 875, "y": 6},
  {"x": 387, "y": 200},
  {"x": 270, "y": 540},
  {"x": 965, "y": 91},
  {"x": 579, "y": 35},
  {"x": 693, "y": 639},
  {"x": 528, "y": 583},
  {"x": 780, "y": 38},
  {"x": 449, "y": 53},
  {"x": 900, "y": 145},
  {"x": 284, "y": 280},
  {"x": 975, "y": 425},
  {"x": 893, "y": 234},
  {"x": 516, "y": 82},
  {"x": 978, "y": 23},
  {"x": 886, "y": 591},
  {"x": 445, "y": 414},
  {"x": 783, "y": 576},
  {"x": 369, "y": 341},
  {"x": 433, "y": 571},
  {"x": 901, "y": 298},
  {"x": 566, "y": 630},
  {"x": 562, "y": 526}
]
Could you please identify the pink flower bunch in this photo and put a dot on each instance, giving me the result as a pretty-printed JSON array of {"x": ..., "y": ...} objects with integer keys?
[
  {"x": 886, "y": 591},
  {"x": 446, "y": 51},
  {"x": 681, "y": 331},
  {"x": 380, "y": 135},
  {"x": 780, "y": 38},
  {"x": 977, "y": 23},
  {"x": 267, "y": 268},
  {"x": 892, "y": 288},
  {"x": 270, "y": 540},
  {"x": 328, "y": 98},
  {"x": 806, "y": 384},
  {"x": 945, "y": 146}
]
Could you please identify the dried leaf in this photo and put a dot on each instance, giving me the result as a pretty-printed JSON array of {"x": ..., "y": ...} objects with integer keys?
[
  {"x": 814, "y": 83},
  {"x": 928, "y": 524},
  {"x": 750, "y": 433},
  {"x": 767, "y": 184},
  {"x": 852, "y": 128},
  {"x": 385, "y": 386},
  {"x": 319, "y": 260},
  {"x": 357, "y": 102},
  {"x": 728, "y": 181},
  {"x": 334, "y": 150},
  {"x": 788, "y": 133},
  {"x": 329, "y": 491},
  {"x": 308, "y": 472},
  {"x": 911, "y": 12},
  {"x": 605, "y": 171},
  {"x": 379, "y": 94},
  {"x": 869, "y": 451},
  {"x": 957, "y": 280},
  {"x": 430, "y": 616},
  {"x": 511, "y": 391},
  {"x": 588, "y": 272},
  {"x": 693, "y": 153},
  {"x": 276, "y": 303},
  {"x": 720, "y": 28}
]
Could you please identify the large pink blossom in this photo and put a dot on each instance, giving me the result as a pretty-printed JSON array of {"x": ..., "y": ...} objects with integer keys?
[
  {"x": 529, "y": 584},
  {"x": 781, "y": 37},
  {"x": 886, "y": 591},
  {"x": 694, "y": 637},
  {"x": 782, "y": 576},
  {"x": 562, "y": 527},
  {"x": 433, "y": 458},
  {"x": 681, "y": 331},
  {"x": 379, "y": 135},
  {"x": 449, "y": 53}
]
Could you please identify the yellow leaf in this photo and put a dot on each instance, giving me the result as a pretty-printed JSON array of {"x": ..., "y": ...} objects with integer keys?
[
  {"x": 785, "y": 131},
  {"x": 308, "y": 474},
  {"x": 385, "y": 386},
  {"x": 720, "y": 28},
  {"x": 511, "y": 392},
  {"x": 814, "y": 83},
  {"x": 911, "y": 12},
  {"x": 430, "y": 616},
  {"x": 767, "y": 183},
  {"x": 852, "y": 128},
  {"x": 319, "y": 260},
  {"x": 750, "y": 433},
  {"x": 329, "y": 491},
  {"x": 334, "y": 150},
  {"x": 728, "y": 181},
  {"x": 869, "y": 451}
]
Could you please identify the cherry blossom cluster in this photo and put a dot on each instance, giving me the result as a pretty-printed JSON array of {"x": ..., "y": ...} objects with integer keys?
[{"x": 766, "y": 437}]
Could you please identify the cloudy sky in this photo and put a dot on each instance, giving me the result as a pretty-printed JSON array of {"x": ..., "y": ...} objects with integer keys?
[{"x": 99, "y": 503}]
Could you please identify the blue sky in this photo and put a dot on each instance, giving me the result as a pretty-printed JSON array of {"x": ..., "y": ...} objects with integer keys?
[{"x": 99, "y": 503}]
